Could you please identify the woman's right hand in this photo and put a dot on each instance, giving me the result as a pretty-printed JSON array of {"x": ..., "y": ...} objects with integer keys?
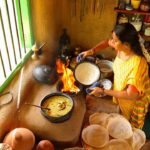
[
  {"x": 87, "y": 53},
  {"x": 84, "y": 54}
]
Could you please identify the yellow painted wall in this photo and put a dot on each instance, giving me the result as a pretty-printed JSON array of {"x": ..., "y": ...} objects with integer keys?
[
  {"x": 50, "y": 16},
  {"x": 46, "y": 19}
]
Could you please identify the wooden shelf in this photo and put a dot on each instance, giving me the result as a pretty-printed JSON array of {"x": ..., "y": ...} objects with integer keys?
[{"x": 131, "y": 11}]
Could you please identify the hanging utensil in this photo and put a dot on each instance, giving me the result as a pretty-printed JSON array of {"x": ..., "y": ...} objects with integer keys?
[
  {"x": 84, "y": 11},
  {"x": 97, "y": 6},
  {"x": 37, "y": 106},
  {"x": 86, "y": 7},
  {"x": 73, "y": 8},
  {"x": 94, "y": 6},
  {"x": 81, "y": 10},
  {"x": 101, "y": 7}
]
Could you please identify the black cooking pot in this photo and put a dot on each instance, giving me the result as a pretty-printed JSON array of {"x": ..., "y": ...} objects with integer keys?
[
  {"x": 45, "y": 74},
  {"x": 60, "y": 118}
]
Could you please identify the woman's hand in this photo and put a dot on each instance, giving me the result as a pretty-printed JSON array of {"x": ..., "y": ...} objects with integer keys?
[
  {"x": 84, "y": 54},
  {"x": 87, "y": 53},
  {"x": 97, "y": 91}
]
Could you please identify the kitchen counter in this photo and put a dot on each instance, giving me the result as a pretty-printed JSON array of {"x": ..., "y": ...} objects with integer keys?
[{"x": 65, "y": 133}]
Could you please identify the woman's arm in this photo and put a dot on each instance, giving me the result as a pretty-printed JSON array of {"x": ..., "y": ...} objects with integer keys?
[
  {"x": 102, "y": 45},
  {"x": 129, "y": 93}
]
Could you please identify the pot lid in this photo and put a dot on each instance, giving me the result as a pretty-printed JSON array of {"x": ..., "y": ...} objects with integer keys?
[{"x": 45, "y": 74}]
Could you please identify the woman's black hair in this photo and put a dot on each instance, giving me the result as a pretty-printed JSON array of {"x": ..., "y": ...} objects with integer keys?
[{"x": 127, "y": 33}]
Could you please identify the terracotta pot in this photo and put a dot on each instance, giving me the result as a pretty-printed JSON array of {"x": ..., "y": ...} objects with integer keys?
[
  {"x": 20, "y": 139},
  {"x": 45, "y": 145}
]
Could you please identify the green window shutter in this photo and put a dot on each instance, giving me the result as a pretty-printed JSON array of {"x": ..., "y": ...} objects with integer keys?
[
  {"x": 24, "y": 20},
  {"x": 26, "y": 38}
]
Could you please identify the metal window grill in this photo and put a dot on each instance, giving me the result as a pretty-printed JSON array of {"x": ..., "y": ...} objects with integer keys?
[{"x": 12, "y": 37}]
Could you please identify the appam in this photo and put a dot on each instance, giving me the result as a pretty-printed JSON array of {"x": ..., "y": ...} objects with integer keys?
[
  {"x": 87, "y": 73},
  {"x": 118, "y": 144},
  {"x": 138, "y": 139},
  {"x": 95, "y": 136},
  {"x": 119, "y": 128},
  {"x": 99, "y": 118}
]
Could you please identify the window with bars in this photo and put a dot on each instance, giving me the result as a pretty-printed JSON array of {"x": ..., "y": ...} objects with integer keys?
[{"x": 16, "y": 38}]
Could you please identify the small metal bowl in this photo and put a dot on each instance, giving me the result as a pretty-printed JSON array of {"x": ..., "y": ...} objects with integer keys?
[
  {"x": 104, "y": 83},
  {"x": 61, "y": 118},
  {"x": 107, "y": 84},
  {"x": 105, "y": 68}
]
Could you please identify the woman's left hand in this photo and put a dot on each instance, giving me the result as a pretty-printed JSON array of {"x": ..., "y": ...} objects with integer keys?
[{"x": 97, "y": 91}]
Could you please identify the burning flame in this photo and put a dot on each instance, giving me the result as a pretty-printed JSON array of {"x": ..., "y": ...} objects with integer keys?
[{"x": 67, "y": 77}]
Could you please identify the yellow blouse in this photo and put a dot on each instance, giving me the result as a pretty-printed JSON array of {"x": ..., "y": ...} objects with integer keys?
[{"x": 133, "y": 71}]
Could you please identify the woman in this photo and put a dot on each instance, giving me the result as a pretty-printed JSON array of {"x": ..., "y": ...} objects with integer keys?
[{"x": 131, "y": 81}]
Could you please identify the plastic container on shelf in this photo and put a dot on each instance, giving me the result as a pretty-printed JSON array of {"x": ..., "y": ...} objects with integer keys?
[
  {"x": 135, "y": 3},
  {"x": 122, "y": 18},
  {"x": 147, "y": 31}
]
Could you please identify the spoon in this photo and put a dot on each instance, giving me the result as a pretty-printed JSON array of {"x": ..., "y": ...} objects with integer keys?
[{"x": 37, "y": 106}]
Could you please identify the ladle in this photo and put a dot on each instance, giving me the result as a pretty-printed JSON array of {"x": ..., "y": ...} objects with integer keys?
[{"x": 37, "y": 106}]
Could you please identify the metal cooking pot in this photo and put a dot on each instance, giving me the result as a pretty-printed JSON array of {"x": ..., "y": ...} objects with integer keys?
[
  {"x": 59, "y": 118},
  {"x": 45, "y": 74}
]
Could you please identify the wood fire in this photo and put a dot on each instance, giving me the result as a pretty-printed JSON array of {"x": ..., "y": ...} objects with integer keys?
[{"x": 67, "y": 77}]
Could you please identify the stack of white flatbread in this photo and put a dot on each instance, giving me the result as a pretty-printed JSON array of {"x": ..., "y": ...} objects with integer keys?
[{"x": 112, "y": 132}]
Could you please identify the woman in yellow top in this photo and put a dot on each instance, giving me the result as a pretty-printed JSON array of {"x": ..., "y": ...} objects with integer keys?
[{"x": 131, "y": 89}]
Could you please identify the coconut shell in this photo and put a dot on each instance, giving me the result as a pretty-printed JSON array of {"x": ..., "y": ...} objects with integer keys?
[{"x": 95, "y": 136}]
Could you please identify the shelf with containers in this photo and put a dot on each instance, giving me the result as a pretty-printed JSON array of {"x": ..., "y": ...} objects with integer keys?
[
  {"x": 139, "y": 17},
  {"x": 140, "y": 20}
]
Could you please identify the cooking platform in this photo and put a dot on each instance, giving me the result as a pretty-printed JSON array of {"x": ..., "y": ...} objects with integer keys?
[{"x": 64, "y": 133}]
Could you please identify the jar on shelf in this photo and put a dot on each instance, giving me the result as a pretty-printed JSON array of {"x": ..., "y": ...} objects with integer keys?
[
  {"x": 146, "y": 23},
  {"x": 122, "y": 4},
  {"x": 122, "y": 18},
  {"x": 147, "y": 31},
  {"x": 127, "y": 1},
  {"x": 144, "y": 6}
]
